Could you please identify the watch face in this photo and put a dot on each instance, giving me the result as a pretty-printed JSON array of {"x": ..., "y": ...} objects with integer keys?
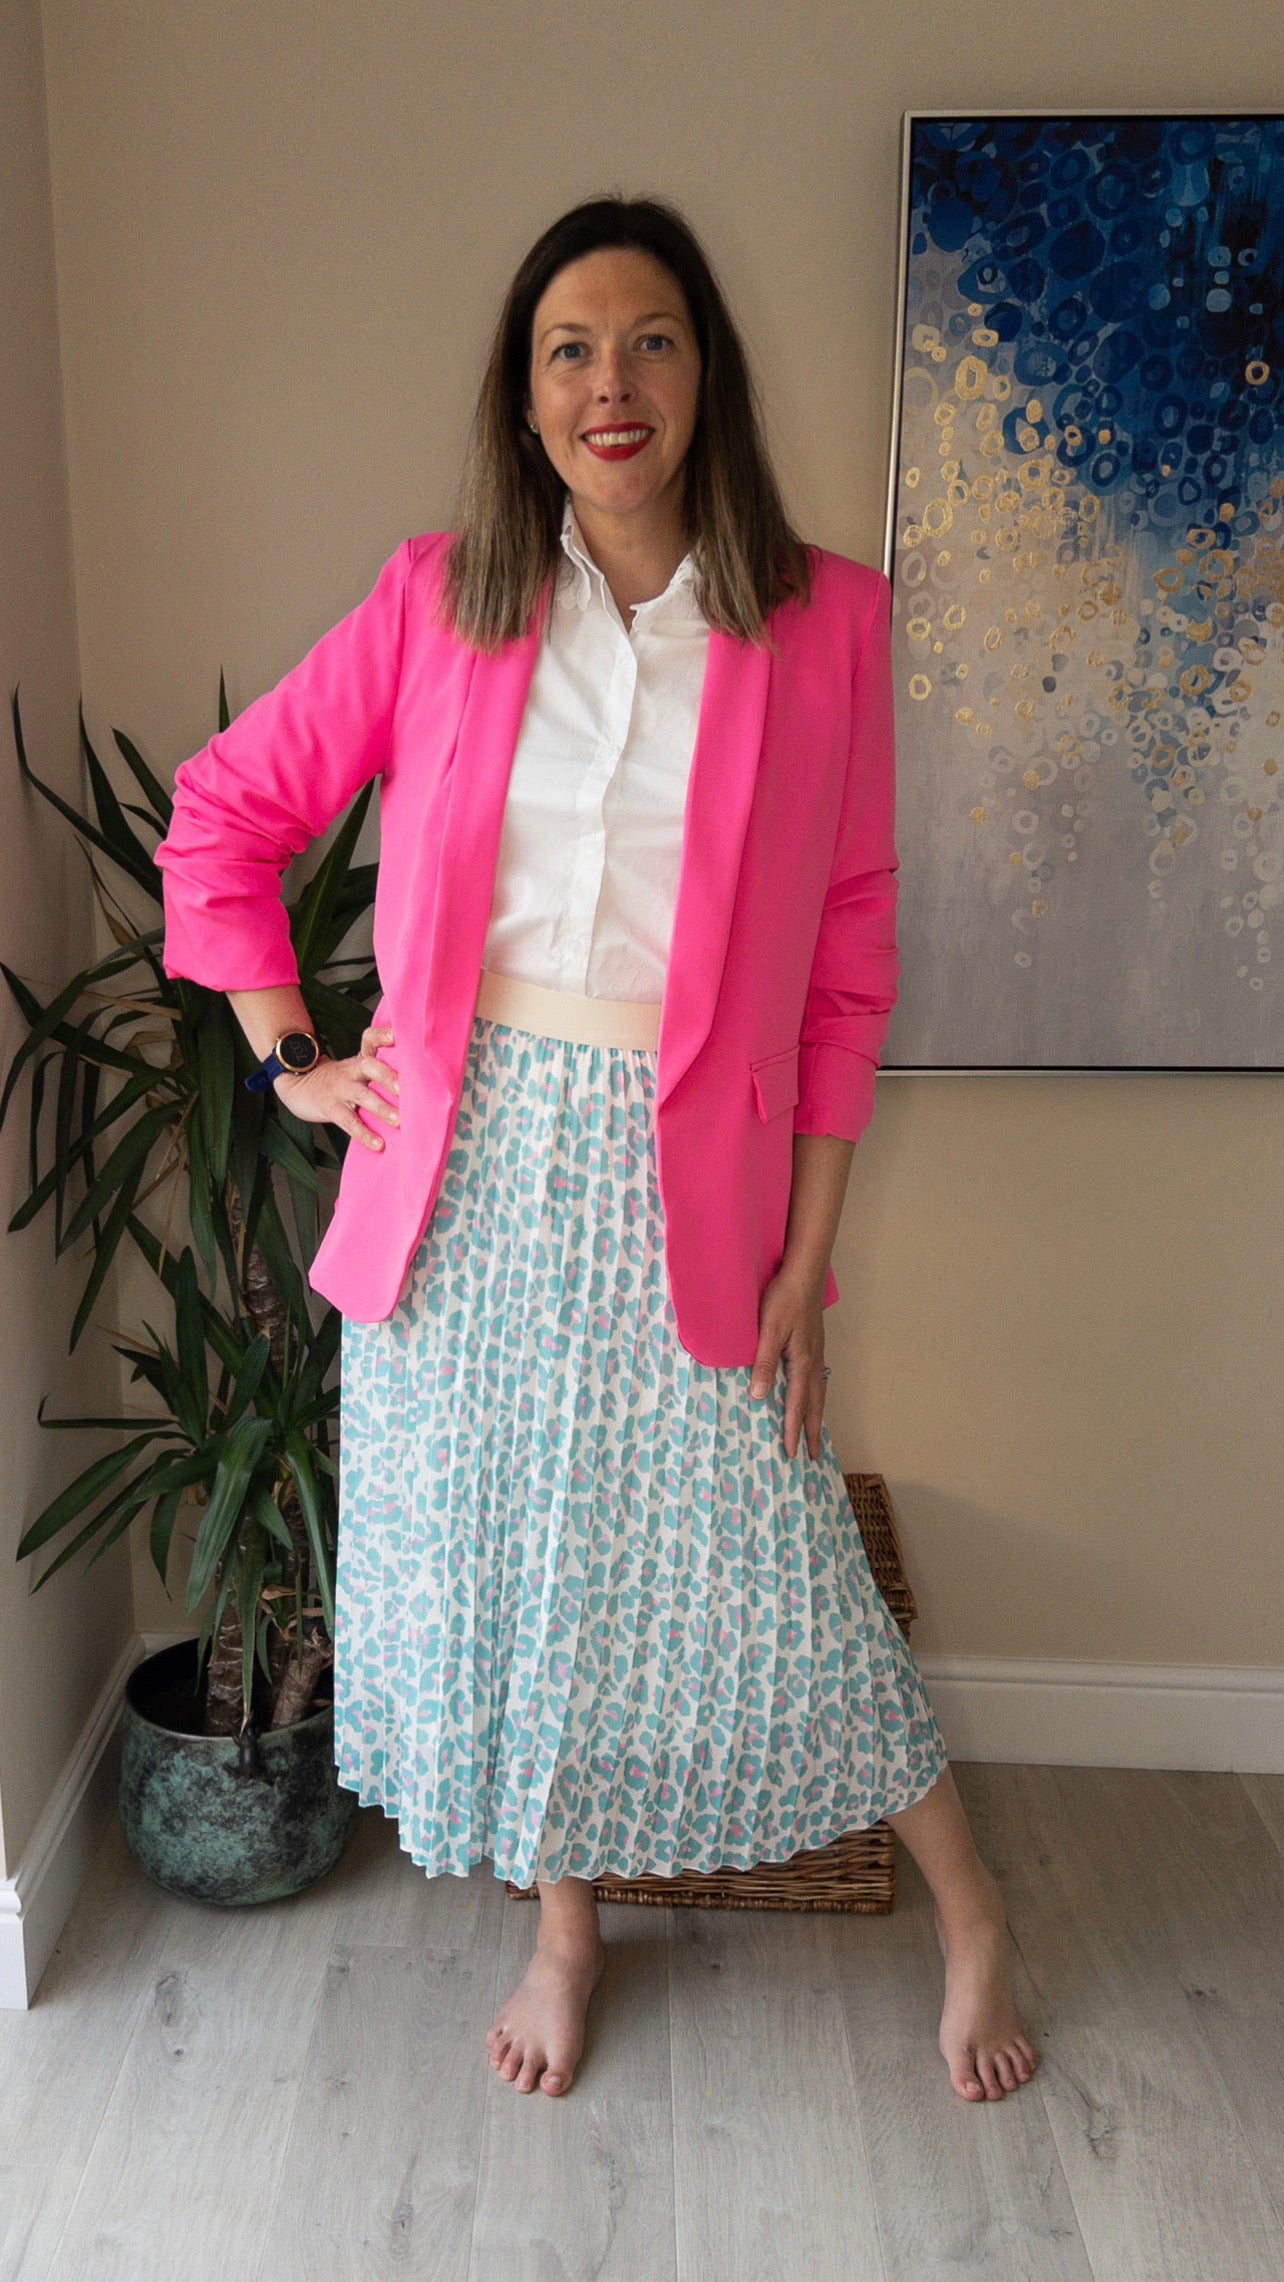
[{"x": 298, "y": 1050}]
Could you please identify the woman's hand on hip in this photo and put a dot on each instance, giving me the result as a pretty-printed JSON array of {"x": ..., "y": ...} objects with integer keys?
[
  {"x": 791, "y": 1328},
  {"x": 342, "y": 1093}
]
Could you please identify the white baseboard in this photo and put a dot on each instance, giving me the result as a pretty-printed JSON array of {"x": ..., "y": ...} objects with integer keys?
[
  {"x": 36, "y": 1902},
  {"x": 1032, "y": 1712},
  {"x": 1035, "y": 1712}
]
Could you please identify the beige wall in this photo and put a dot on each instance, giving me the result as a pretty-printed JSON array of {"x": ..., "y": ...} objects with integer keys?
[
  {"x": 58, "y": 1645},
  {"x": 282, "y": 230}
]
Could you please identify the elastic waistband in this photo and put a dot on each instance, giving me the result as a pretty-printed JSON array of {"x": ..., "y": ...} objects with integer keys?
[{"x": 565, "y": 1014}]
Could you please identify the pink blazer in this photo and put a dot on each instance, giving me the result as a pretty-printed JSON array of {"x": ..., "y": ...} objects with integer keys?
[{"x": 783, "y": 962}]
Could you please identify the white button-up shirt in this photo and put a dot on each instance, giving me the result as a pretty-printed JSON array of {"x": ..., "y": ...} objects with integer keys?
[{"x": 587, "y": 876}]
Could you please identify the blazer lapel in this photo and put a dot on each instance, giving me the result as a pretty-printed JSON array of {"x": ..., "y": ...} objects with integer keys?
[
  {"x": 724, "y": 769},
  {"x": 485, "y": 748}
]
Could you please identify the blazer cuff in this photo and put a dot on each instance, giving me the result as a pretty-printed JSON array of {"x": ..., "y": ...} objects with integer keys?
[
  {"x": 836, "y": 1090},
  {"x": 226, "y": 945}
]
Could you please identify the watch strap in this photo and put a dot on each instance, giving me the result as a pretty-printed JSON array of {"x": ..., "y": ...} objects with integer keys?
[{"x": 272, "y": 1067}]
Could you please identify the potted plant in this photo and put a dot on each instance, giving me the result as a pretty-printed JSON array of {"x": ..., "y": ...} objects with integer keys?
[{"x": 228, "y": 1787}]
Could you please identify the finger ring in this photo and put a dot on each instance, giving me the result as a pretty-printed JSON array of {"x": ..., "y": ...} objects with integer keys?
[{"x": 825, "y": 1373}]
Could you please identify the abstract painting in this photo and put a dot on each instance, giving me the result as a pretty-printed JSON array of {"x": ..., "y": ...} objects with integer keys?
[{"x": 1086, "y": 547}]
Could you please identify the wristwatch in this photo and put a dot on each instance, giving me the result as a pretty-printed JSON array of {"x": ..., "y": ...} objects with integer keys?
[{"x": 294, "y": 1052}]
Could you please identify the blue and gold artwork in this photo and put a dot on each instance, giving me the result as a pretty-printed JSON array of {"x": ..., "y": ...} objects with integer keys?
[{"x": 1086, "y": 547}]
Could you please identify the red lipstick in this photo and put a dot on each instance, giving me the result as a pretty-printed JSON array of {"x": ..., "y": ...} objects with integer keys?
[{"x": 627, "y": 439}]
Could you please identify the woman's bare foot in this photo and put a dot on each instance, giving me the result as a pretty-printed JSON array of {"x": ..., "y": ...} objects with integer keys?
[
  {"x": 538, "y": 2035},
  {"x": 982, "y": 2036}
]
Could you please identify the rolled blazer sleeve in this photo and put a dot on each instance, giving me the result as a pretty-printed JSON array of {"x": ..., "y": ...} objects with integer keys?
[
  {"x": 269, "y": 783},
  {"x": 853, "y": 983}
]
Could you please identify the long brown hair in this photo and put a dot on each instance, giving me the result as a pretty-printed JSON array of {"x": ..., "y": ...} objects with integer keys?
[{"x": 747, "y": 558}]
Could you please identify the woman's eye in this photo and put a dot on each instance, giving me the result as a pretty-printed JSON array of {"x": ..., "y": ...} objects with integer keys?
[
  {"x": 567, "y": 345},
  {"x": 662, "y": 338}
]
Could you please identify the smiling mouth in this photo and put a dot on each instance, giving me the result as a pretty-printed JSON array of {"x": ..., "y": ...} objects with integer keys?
[{"x": 617, "y": 443}]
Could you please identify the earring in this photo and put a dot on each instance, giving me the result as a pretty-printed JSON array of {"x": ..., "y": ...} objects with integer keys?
[{"x": 533, "y": 425}]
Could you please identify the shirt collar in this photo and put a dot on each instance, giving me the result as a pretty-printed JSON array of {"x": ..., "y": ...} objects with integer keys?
[{"x": 580, "y": 575}]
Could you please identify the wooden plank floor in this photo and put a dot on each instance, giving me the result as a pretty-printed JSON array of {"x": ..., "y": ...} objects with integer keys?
[{"x": 303, "y": 2091}]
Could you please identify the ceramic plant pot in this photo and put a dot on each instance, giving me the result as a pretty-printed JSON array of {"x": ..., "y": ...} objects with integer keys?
[{"x": 218, "y": 1819}]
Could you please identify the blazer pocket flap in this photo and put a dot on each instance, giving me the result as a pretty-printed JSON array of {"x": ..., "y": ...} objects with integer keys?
[{"x": 775, "y": 1080}]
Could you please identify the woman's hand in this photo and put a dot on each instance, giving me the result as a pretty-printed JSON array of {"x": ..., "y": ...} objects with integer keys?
[
  {"x": 791, "y": 1325},
  {"x": 337, "y": 1093}
]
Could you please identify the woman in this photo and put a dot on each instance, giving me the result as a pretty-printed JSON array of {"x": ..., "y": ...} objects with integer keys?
[{"x": 602, "y": 1606}]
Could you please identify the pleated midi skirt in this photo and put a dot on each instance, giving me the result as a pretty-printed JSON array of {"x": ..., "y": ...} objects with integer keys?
[{"x": 590, "y": 1617}]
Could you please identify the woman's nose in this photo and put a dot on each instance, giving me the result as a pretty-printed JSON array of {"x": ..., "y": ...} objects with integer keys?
[{"x": 614, "y": 376}]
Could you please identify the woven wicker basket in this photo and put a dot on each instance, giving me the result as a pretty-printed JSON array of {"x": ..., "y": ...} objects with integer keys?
[{"x": 856, "y": 1872}]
